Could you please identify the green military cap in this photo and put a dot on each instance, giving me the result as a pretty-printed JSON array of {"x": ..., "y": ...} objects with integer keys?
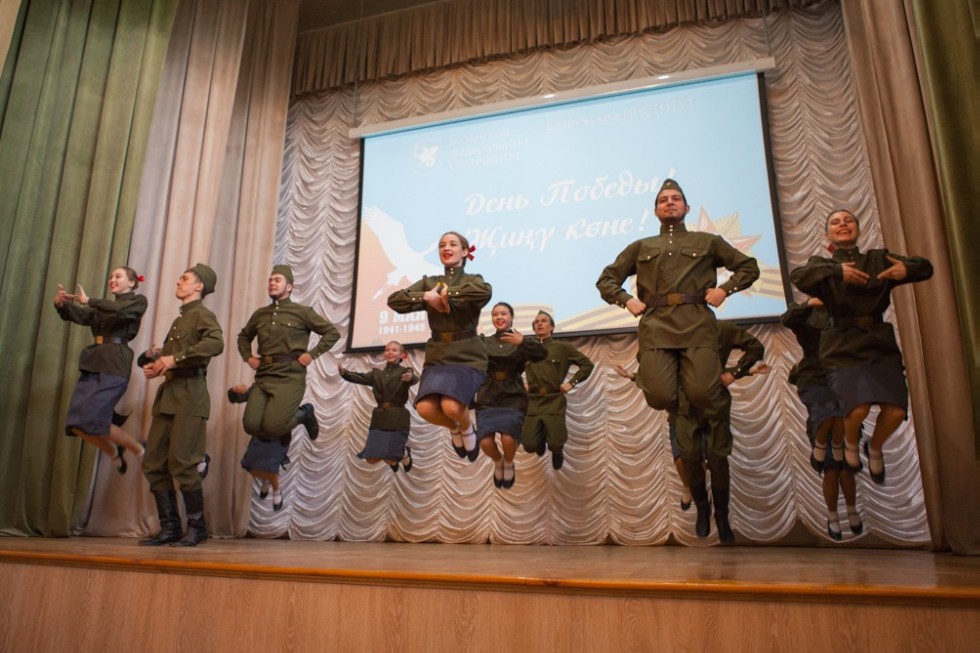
[
  {"x": 670, "y": 184},
  {"x": 207, "y": 276},
  {"x": 285, "y": 271}
]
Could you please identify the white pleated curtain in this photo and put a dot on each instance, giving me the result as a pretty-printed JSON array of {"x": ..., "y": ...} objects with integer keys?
[{"x": 618, "y": 484}]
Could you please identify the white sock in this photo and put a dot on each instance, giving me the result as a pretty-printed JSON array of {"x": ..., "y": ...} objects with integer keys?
[
  {"x": 833, "y": 521},
  {"x": 853, "y": 517},
  {"x": 201, "y": 466},
  {"x": 508, "y": 470},
  {"x": 469, "y": 440}
]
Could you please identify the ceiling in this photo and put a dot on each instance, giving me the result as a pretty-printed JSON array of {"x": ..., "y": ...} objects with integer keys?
[{"x": 314, "y": 14}]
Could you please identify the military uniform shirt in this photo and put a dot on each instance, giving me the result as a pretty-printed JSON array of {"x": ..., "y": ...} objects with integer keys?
[
  {"x": 468, "y": 294},
  {"x": 807, "y": 323},
  {"x": 193, "y": 340},
  {"x": 283, "y": 328},
  {"x": 390, "y": 392},
  {"x": 676, "y": 261},
  {"x": 854, "y": 346},
  {"x": 118, "y": 318},
  {"x": 507, "y": 360},
  {"x": 544, "y": 377}
]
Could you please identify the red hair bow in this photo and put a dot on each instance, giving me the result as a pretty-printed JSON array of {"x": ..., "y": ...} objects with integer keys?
[
  {"x": 469, "y": 253},
  {"x": 831, "y": 248},
  {"x": 140, "y": 278}
]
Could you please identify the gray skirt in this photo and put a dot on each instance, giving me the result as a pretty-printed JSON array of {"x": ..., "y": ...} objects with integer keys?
[
  {"x": 457, "y": 382},
  {"x": 491, "y": 420},
  {"x": 264, "y": 455},
  {"x": 879, "y": 383},
  {"x": 821, "y": 404},
  {"x": 389, "y": 445},
  {"x": 92, "y": 402}
]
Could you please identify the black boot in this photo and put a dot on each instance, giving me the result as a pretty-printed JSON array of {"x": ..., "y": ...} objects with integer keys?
[
  {"x": 307, "y": 417},
  {"x": 699, "y": 493},
  {"x": 197, "y": 530},
  {"x": 169, "y": 520},
  {"x": 721, "y": 495}
]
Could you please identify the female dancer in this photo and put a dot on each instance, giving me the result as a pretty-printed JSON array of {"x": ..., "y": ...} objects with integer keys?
[
  {"x": 455, "y": 356},
  {"x": 388, "y": 434},
  {"x": 825, "y": 420},
  {"x": 858, "y": 348},
  {"x": 501, "y": 402},
  {"x": 106, "y": 364},
  {"x": 262, "y": 458}
]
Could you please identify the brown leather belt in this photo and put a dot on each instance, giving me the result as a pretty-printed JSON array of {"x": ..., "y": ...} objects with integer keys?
[
  {"x": 453, "y": 336},
  {"x": 676, "y": 299},
  {"x": 279, "y": 358},
  {"x": 860, "y": 321},
  {"x": 186, "y": 372},
  {"x": 104, "y": 340},
  {"x": 386, "y": 404}
]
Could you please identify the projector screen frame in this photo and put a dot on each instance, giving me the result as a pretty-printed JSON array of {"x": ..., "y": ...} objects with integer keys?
[{"x": 756, "y": 66}]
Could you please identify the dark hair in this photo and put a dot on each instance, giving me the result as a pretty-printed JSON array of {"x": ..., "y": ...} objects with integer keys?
[
  {"x": 505, "y": 305},
  {"x": 826, "y": 222},
  {"x": 130, "y": 274},
  {"x": 465, "y": 244}
]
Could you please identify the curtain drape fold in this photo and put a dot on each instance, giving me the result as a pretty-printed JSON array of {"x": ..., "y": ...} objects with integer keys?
[
  {"x": 71, "y": 148},
  {"x": 209, "y": 193},
  {"x": 450, "y": 33}
]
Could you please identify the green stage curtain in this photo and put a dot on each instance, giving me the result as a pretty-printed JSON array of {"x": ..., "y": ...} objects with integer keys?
[{"x": 76, "y": 97}]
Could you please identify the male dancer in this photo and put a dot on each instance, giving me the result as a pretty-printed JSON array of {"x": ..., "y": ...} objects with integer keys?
[{"x": 176, "y": 441}]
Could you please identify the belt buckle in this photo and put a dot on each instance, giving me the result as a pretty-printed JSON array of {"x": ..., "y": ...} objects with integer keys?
[
  {"x": 675, "y": 299},
  {"x": 500, "y": 375},
  {"x": 445, "y": 336},
  {"x": 267, "y": 360}
]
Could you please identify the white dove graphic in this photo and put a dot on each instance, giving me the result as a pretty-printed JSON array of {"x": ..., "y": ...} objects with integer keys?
[{"x": 408, "y": 263}]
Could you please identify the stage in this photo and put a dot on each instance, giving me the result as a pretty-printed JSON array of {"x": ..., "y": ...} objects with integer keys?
[{"x": 85, "y": 594}]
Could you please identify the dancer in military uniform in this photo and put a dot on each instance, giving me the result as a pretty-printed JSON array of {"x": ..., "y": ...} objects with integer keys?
[
  {"x": 501, "y": 401},
  {"x": 825, "y": 419},
  {"x": 181, "y": 409},
  {"x": 547, "y": 384},
  {"x": 390, "y": 422},
  {"x": 105, "y": 365},
  {"x": 273, "y": 407},
  {"x": 455, "y": 356},
  {"x": 676, "y": 277},
  {"x": 858, "y": 348}
]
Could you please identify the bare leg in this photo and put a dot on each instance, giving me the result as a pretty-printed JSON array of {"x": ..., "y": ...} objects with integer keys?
[
  {"x": 852, "y": 432},
  {"x": 889, "y": 419},
  {"x": 848, "y": 486},
  {"x": 118, "y": 436}
]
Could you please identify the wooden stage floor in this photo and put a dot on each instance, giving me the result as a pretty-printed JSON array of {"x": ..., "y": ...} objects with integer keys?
[
  {"x": 692, "y": 572},
  {"x": 263, "y": 595}
]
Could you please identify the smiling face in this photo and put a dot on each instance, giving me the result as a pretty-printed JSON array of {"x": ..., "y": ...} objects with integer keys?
[
  {"x": 119, "y": 282},
  {"x": 671, "y": 207},
  {"x": 189, "y": 287},
  {"x": 843, "y": 229},
  {"x": 502, "y": 317},
  {"x": 542, "y": 326},
  {"x": 279, "y": 288},
  {"x": 393, "y": 352},
  {"x": 451, "y": 250}
]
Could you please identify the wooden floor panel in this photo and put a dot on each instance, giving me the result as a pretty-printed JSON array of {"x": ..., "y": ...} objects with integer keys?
[{"x": 810, "y": 574}]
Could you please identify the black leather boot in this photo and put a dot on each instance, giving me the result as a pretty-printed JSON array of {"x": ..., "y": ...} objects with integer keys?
[
  {"x": 197, "y": 530},
  {"x": 721, "y": 496},
  {"x": 169, "y": 520},
  {"x": 699, "y": 494},
  {"x": 307, "y": 417}
]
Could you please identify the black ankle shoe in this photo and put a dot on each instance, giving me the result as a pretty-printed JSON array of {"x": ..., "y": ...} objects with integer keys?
[
  {"x": 407, "y": 466},
  {"x": 836, "y": 535},
  {"x": 817, "y": 465},
  {"x": 207, "y": 466}
]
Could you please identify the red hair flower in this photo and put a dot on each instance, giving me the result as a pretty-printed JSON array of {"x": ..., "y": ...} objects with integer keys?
[{"x": 469, "y": 253}]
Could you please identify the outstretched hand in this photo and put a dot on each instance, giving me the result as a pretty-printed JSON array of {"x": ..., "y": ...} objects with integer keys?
[
  {"x": 850, "y": 274},
  {"x": 895, "y": 272},
  {"x": 61, "y": 296}
]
